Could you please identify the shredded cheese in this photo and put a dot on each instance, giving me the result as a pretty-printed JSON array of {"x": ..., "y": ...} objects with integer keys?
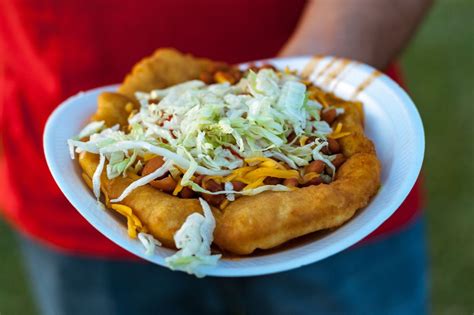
[
  {"x": 303, "y": 140},
  {"x": 149, "y": 156},
  {"x": 239, "y": 173},
  {"x": 133, "y": 176},
  {"x": 224, "y": 204},
  {"x": 338, "y": 133},
  {"x": 106, "y": 197},
  {"x": 258, "y": 159},
  {"x": 265, "y": 172},
  {"x": 133, "y": 223},
  {"x": 309, "y": 176},
  {"x": 272, "y": 164},
  {"x": 178, "y": 188},
  {"x": 87, "y": 180},
  {"x": 255, "y": 184},
  {"x": 254, "y": 176}
]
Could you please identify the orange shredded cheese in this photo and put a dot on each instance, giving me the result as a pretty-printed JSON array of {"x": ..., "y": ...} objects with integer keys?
[
  {"x": 148, "y": 156},
  {"x": 309, "y": 176},
  {"x": 338, "y": 128},
  {"x": 256, "y": 160},
  {"x": 337, "y": 133},
  {"x": 222, "y": 77},
  {"x": 87, "y": 180},
  {"x": 303, "y": 140},
  {"x": 266, "y": 171},
  {"x": 318, "y": 95},
  {"x": 272, "y": 164},
  {"x": 340, "y": 135},
  {"x": 254, "y": 175},
  {"x": 224, "y": 204},
  {"x": 133, "y": 222},
  {"x": 106, "y": 197},
  {"x": 133, "y": 175},
  {"x": 255, "y": 184},
  {"x": 264, "y": 162},
  {"x": 178, "y": 187},
  {"x": 240, "y": 172}
]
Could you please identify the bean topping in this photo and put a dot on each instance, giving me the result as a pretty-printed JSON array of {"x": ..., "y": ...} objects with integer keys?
[
  {"x": 315, "y": 166},
  {"x": 338, "y": 160},
  {"x": 198, "y": 179},
  {"x": 238, "y": 186},
  {"x": 329, "y": 115},
  {"x": 214, "y": 200},
  {"x": 167, "y": 184},
  {"x": 272, "y": 181},
  {"x": 334, "y": 146},
  {"x": 291, "y": 182},
  {"x": 315, "y": 181},
  {"x": 186, "y": 192},
  {"x": 212, "y": 185},
  {"x": 152, "y": 165}
]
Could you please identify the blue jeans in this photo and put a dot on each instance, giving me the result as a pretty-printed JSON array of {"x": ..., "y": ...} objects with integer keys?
[{"x": 385, "y": 276}]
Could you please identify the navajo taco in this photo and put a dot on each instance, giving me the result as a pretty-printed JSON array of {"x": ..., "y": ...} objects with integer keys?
[{"x": 195, "y": 153}]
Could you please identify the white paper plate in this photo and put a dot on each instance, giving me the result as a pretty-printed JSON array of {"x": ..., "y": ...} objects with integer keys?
[{"x": 392, "y": 122}]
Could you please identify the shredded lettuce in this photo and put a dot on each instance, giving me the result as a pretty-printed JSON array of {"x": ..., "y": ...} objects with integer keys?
[
  {"x": 291, "y": 102},
  {"x": 194, "y": 240},
  {"x": 144, "y": 180},
  {"x": 91, "y": 128},
  {"x": 117, "y": 164},
  {"x": 246, "y": 192},
  {"x": 96, "y": 176},
  {"x": 229, "y": 187},
  {"x": 149, "y": 242},
  {"x": 211, "y": 129}
]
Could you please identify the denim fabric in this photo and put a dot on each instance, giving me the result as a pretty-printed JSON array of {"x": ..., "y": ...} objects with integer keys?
[{"x": 385, "y": 276}]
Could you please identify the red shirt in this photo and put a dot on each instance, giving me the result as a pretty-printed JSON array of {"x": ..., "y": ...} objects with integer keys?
[{"x": 51, "y": 49}]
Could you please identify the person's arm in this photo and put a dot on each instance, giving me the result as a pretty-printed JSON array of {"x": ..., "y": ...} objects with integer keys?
[{"x": 370, "y": 31}]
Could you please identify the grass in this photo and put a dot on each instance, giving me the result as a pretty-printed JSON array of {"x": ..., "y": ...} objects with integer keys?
[
  {"x": 15, "y": 298},
  {"x": 439, "y": 68}
]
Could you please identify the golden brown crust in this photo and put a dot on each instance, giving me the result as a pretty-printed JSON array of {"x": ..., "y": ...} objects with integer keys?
[
  {"x": 272, "y": 218},
  {"x": 267, "y": 219},
  {"x": 352, "y": 121},
  {"x": 111, "y": 108},
  {"x": 164, "y": 68}
]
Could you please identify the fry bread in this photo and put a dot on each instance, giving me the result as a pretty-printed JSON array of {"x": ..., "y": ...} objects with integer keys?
[{"x": 255, "y": 222}]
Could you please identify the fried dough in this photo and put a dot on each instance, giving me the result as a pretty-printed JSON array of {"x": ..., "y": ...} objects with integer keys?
[
  {"x": 164, "y": 68},
  {"x": 111, "y": 108},
  {"x": 255, "y": 222}
]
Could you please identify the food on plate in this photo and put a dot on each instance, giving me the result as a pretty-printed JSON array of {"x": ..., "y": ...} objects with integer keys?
[{"x": 194, "y": 152}]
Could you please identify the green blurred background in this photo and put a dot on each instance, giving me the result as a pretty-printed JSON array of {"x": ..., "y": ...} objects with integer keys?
[{"x": 439, "y": 68}]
